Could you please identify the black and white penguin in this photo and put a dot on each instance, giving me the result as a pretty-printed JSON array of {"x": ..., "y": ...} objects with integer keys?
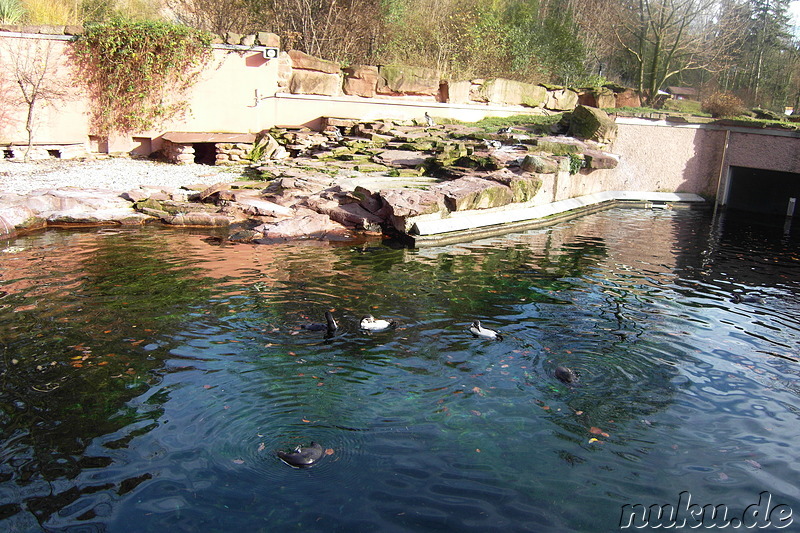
[
  {"x": 302, "y": 457},
  {"x": 428, "y": 120},
  {"x": 370, "y": 323},
  {"x": 480, "y": 331},
  {"x": 506, "y": 129},
  {"x": 566, "y": 375},
  {"x": 329, "y": 327}
]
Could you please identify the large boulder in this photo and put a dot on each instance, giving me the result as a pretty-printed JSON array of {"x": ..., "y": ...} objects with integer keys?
[
  {"x": 458, "y": 92},
  {"x": 602, "y": 97},
  {"x": 539, "y": 164},
  {"x": 307, "y": 224},
  {"x": 303, "y": 61},
  {"x": 628, "y": 98},
  {"x": 361, "y": 80},
  {"x": 523, "y": 187},
  {"x": 592, "y": 123},
  {"x": 510, "y": 92},
  {"x": 313, "y": 82},
  {"x": 561, "y": 99},
  {"x": 408, "y": 80},
  {"x": 473, "y": 193},
  {"x": 400, "y": 205}
]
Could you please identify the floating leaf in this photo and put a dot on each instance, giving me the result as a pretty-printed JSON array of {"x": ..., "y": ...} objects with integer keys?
[
  {"x": 478, "y": 390},
  {"x": 261, "y": 447},
  {"x": 597, "y": 431},
  {"x": 595, "y": 440},
  {"x": 238, "y": 461},
  {"x": 329, "y": 451}
]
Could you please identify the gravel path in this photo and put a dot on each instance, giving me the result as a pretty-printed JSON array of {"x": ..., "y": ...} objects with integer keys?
[{"x": 116, "y": 174}]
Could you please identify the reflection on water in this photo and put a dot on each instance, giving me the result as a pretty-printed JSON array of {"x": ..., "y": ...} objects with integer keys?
[{"x": 150, "y": 375}]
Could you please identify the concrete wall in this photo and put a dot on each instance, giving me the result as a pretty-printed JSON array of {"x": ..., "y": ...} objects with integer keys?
[
  {"x": 60, "y": 119},
  {"x": 656, "y": 156}
]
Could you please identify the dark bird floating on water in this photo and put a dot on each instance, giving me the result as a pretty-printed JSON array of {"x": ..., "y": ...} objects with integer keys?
[
  {"x": 480, "y": 331},
  {"x": 370, "y": 323},
  {"x": 329, "y": 327},
  {"x": 566, "y": 375},
  {"x": 302, "y": 457}
]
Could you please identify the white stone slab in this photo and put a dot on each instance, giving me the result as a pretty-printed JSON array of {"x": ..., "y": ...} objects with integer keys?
[{"x": 466, "y": 220}]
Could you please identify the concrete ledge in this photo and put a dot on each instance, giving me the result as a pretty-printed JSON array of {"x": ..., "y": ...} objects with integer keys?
[{"x": 468, "y": 225}]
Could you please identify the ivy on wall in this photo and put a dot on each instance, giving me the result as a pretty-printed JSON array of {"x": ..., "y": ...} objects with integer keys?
[{"x": 137, "y": 70}]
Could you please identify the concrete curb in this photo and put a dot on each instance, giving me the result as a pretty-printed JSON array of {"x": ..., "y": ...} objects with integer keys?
[{"x": 469, "y": 225}]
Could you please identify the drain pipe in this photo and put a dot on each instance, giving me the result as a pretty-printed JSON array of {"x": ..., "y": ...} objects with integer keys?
[{"x": 721, "y": 172}]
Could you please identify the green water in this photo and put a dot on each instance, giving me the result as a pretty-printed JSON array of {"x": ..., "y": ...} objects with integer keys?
[{"x": 147, "y": 377}]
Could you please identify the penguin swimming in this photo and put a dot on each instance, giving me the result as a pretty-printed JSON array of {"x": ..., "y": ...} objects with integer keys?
[
  {"x": 370, "y": 323},
  {"x": 329, "y": 327},
  {"x": 480, "y": 331},
  {"x": 302, "y": 457},
  {"x": 747, "y": 298},
  {"x": 566, "y": 375}
]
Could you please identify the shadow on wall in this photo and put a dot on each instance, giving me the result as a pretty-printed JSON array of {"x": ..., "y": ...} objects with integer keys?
[{"x": 701, "y": 174}]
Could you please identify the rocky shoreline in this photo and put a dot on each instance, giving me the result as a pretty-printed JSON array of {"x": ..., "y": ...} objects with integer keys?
[{"x": 352, "y": 178}]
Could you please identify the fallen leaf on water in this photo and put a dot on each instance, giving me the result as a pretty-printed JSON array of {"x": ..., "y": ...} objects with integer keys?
[
  {"x": 238, "y": 461},
  {"x": 306, "y": 421},
  {"x": 476, "y": 413},
  {"x": 261, "y": 447},
  {"x": 478, "y": 390},
  {"x": 546, "y": 407},
  {"x": 478, "y": 450},
  {"x": 206, "y": 386},
  {"x": 753, "y": 463},
  {"x": 329, "y": 451},
  {"x": 595, "y": 440},
  {"x": 597, "y": 431},
  {"x": 578, "y": 412},
  {"x": 723, "y": 476}
]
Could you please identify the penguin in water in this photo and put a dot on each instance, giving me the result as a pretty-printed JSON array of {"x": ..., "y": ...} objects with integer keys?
[
  {"x": 428, "y": 120},
  {"x": 480, "y": 331},
  {"x": 566, "y": 375},
  {"x": 370, "y": 323},
  {"x": 747, "y": 298},
  {"x": 302, "y": 457},
  {"x": 329, "y": 327}
]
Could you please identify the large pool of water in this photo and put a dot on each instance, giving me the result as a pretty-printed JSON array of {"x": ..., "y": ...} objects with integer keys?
[{"x": 148, "y": 376}]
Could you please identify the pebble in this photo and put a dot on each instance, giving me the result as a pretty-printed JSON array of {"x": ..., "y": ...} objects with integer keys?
[{"x": 118, "y": 174}]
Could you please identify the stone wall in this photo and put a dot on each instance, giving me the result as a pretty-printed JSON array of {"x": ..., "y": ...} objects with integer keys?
[
  {"x": 310, "y": 75},
  {"x": 232, "y": 153}
]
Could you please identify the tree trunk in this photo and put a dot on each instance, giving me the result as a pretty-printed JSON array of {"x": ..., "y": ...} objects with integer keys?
[{"x": 29, "y": 128}]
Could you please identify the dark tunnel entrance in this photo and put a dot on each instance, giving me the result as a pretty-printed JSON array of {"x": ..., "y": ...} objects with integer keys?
[{"x": 768, "y": 192}]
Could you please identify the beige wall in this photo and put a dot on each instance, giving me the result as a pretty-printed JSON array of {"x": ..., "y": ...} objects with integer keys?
[{"x": 61, "y": 119}]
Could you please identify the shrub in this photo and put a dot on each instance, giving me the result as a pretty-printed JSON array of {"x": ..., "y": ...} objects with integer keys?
[
  {"x": 723, "y": 105},
  {"x": 136, "y": 71},
  {"x": 11, "y": 11}
]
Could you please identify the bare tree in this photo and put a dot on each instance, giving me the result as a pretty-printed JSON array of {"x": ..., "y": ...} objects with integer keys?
[
  {"x": 669, "y": 37},
  {"x": 32, "y": 65}
]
